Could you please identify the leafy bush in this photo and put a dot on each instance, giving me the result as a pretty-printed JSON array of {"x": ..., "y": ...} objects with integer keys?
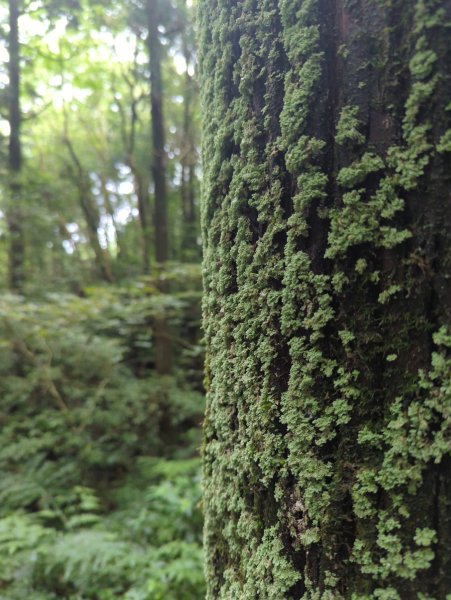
[
  {"x": 147, "y": 548},
  {"x": 99, "y": 484}
]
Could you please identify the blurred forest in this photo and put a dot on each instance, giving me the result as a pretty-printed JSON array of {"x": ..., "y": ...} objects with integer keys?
[{"x": 100, "y": 349}]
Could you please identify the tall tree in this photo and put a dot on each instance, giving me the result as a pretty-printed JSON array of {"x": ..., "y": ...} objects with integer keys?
[
  {"x": 327, "y": 311},
  {"x": 163, "y": 350},
  {"x": 129, "y": 122},
  {"x": 89, "y": 208},
  {"x": 158, "y": 132},
  {"x": 190, "y": 248},
  {"x": 16, "y": 244}
]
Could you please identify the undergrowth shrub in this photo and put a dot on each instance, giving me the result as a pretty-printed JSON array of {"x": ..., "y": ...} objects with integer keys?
[{"x": 99, "y": 480}]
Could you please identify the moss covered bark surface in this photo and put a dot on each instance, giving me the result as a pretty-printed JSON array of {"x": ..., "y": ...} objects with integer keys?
[{"x": 327, "y": 307}]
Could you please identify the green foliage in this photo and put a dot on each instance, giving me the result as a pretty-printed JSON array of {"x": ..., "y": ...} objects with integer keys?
[
  {"x": 99, "y": 493},
  {"x": 147, "y": 548},
  {"x": 86, "y": 141},
  {"x": 99, "y": 484}
]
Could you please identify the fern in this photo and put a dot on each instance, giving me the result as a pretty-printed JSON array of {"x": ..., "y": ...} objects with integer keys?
[{"x": 99, "y": 493}]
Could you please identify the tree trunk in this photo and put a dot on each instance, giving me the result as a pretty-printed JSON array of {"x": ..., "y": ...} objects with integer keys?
[
  {"x": 90, "y": 212},
  {"x": 144, "y": 217},
  {"x": 327, "y": 312},
  {"x": 14, "y": 216},
  {"x": 190, "y": 250},
  {"x": 158, "y": 133},
  {"x": 163, "y": 346},
  {"x": 109, "y": 208},
  {"x": 129, "y": 122},
  {"x": 163, "y": 350}
]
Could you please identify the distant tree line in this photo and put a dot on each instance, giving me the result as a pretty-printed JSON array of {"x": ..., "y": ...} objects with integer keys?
[{"x": 100, "y": 131}]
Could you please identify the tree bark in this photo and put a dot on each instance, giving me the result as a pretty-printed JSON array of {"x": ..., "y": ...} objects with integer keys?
[
  {"x": 158, "y": 133},
  {"x": 190, "y": 249},
  {"x": 90, "y": 212},
  {"x": 144, "y": 217},
  {"x": 163, "y": 349},
  {"x": 163, "y": 345},
  {"x": 16, "y": 243},
  {"x": 128, "y": 132},
  {"x": 326, "y": 222}
]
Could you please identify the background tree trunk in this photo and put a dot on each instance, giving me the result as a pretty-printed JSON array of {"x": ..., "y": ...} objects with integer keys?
[
  {"x": 190, "y": 249},
  {"x": 327, "y": 310},
  {"x": 158, "y": 133},
  {"x": 90, "y": 212},
  {"x": 16, "y": 244},
  {"x": 163, "y": 350},
  {"x": 129, "y": 122},
  {"x": 142, "y": 196}
]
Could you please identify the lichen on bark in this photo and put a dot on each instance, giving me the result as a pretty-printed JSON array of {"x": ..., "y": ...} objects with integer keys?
[{"x": 327, "y": 308}]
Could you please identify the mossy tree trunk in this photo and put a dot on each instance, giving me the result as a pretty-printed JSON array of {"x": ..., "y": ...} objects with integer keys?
[{"x": 327, "y": 307}]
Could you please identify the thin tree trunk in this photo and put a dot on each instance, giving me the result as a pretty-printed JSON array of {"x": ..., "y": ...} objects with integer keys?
[
  {"x": 163, "y": 349},
  {"x": 90, "y": 212},
  {"x": 163, "y": 345},
  {"x": 144, "y": 216},
  {"x": 327, "y": 306},
  {"x": 121, "y": 251},
  {"x": 128, "y": 132},
  {"x": 15, "y": 219},
  {"x": 91, "y": 215},
  {"x": 189, "y": 226},
  {"x": 158, "y": 133}
]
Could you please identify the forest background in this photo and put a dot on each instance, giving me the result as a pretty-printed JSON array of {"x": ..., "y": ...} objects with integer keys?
[{"x": 100, "y": 351}]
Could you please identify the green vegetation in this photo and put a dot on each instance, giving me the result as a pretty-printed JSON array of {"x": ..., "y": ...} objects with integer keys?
[
  {"x": 326, "y": 303},
  {"x": 100, "y": 480},
  {"x": 101, "y": 361}
]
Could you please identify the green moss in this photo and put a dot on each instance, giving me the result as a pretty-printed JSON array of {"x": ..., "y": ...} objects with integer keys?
[
  {"x": 348, "y": 127},
  {"x": 348, "y": 177},
  {"x": 444, "y": 144},
  {"x": 324, "y": 413}
]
